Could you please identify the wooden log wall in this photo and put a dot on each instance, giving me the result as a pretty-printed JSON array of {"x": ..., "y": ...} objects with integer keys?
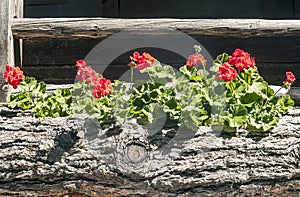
[
  {"x": 74, "y": 157},
  {"x": 51, "y": 46}
]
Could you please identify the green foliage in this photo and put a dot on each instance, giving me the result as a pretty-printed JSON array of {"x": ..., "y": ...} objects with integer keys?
[
  {"x": 190, "y": 97},
  {"x": 171, "y": 94},
  {"x": 150, "y": 100},
  {"x": 251, "y": 103},
  {"x": 98, "y": 109},
  {"x": 30, "y": 93},
  {"x": 57, "y": 104},
  {"x": 33, "y": 96}
]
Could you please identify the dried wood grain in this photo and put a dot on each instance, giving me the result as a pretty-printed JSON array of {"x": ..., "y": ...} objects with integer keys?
[
  {"x": 8, "y": 10},
  {"x": 103, "y": 27},
  {"x": 65, "y": 156}
]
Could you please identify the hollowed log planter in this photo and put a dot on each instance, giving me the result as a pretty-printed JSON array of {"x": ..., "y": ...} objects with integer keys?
[{"x": 75, "y": 157}]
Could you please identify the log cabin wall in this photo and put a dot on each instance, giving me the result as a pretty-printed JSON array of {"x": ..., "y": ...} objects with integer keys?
[{"x": 52, "y": 59}]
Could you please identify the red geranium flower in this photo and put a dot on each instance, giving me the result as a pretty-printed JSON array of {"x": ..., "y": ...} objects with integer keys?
[
  {"x": 195, "y": 60},
  {"x": 141, "y": 61},
  {"x": 290, "y": 78},
  {"x": 241, "y": 60},
  {"x": 101, "y": 87},
  {"x": 13, "y": 76},
  {"x": 86, "y": 73},
  {"x": 226, "y": 72},
  {"x": 80, "y": 64}
]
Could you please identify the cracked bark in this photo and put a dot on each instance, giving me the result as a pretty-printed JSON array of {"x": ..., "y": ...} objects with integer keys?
[{"x": 74, "y": 156}]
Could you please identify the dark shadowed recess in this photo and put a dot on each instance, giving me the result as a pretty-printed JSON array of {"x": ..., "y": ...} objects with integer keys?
[
  {"x": 53, "y": 60},
  {"x": 269, "y": 9}
]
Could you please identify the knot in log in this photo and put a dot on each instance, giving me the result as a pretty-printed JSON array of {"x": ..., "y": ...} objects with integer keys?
[{"x": 136, "y": 153}]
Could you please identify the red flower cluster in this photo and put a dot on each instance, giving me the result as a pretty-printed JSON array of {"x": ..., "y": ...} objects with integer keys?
[
  {"x": 80, "y": 63},
  {"x": 195, "y": 60},
  {"x": 86, "y": 73},
  {"x": 290, "y": 78},
  {"x": 226, "y": 72},
  {"x": 100, "y": 86},
  {"x": 241, "y": 60},
  {"x": 13, "y": 76},
  {"x": 141, "y": 61}
]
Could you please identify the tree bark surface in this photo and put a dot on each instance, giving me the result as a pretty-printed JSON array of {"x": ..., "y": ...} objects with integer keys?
[
  {"x": 75, "y": 157},
  {"x": 103, "y": 27}
]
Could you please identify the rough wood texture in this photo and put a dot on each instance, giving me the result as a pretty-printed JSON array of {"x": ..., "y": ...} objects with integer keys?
[
  {"x": 102, "y": 27},
  {"x": 8, "y": 9},
  {"x": 5, "y": 44},
  {"x": 75, "y": 157}
]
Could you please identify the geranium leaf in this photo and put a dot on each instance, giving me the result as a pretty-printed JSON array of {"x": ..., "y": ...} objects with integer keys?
[
  {"x": 257, "y": 87},
  {"x": 250, "y": 99}
]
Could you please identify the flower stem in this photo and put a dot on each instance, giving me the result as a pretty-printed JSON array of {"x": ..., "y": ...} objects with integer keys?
[
  {"x": 273, "y": 95},
  {"x": 131, "y": 75},
  {"x": 278, "y": 91},
  {"x": 150, "y": 77},
  {"x": 242, "y": 80}
]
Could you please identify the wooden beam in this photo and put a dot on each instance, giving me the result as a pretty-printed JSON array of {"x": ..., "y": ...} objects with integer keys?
[
  {"x": 102, "y": 27},
  {"x": 5, "y": 57},
  {"x": 8, "y": 9},
  {"x": 76, "y": 157}
]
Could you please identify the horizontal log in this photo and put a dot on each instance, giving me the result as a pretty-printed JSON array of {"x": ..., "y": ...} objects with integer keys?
[
  {"x": 75, "y": 157},
  {"x": 103, "y": 27}
]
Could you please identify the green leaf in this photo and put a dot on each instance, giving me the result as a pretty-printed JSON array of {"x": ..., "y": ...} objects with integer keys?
[
  {"x": 257, "y": 87},
  {"x": 166, "y": 72},
  {"x": 222, "y": 58},
  {"x": 188, "y": 71},
  {"x": 203, "y": 74},
  {"x": 250, "y": 99},
  {"x": 238, "y": 110},
  {"x": 237, "y": 116},
  {"x": 237, "y": 121},
  {"x": 285, "y": 103},
  {"x": 268, "y": 93}
]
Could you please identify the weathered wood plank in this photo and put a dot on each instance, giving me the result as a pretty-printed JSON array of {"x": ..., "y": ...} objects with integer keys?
[
  {"x": 8, "y": 10},
  {"x": 102, "y": 27},
  {"x": 6, "y": 56},
  {"x": 66, "y": 156}
]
